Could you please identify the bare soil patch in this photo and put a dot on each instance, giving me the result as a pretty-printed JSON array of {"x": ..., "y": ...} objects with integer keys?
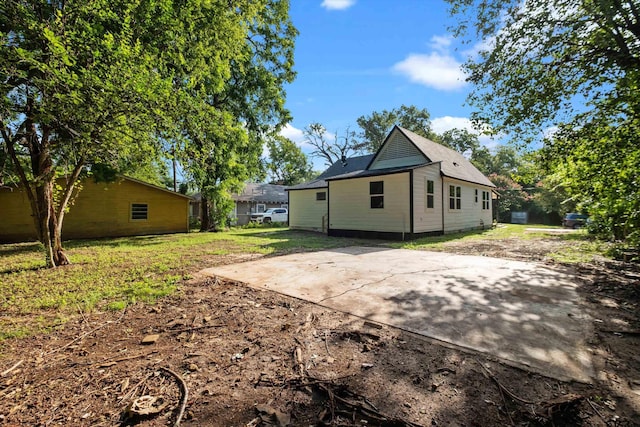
[{"x": 236, "y": 356}]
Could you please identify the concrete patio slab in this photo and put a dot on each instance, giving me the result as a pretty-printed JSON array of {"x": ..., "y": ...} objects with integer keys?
[{"x": 524, "y": 313}]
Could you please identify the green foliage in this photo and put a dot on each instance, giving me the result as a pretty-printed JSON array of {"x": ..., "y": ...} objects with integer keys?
[
  {"x": 460, "y": 140},
  {"x": 222, "y": 137},
  {"x": 543, "y": 55},
  {"x": 512, "y": 197},
  {"x": 377, "y": 126},
  {"x": 89, "y": 82},
  {"x": 572, "y": 65},
  {"x": 287, "y": 164},
  {"x": 102, "y": 172},
  {"x": 599, "y": 170}
]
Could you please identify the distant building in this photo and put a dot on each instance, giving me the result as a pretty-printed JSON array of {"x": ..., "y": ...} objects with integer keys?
[{"x": 255, "y": 197}]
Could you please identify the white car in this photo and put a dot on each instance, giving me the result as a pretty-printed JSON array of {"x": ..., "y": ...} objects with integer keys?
[{"x": 271, "y": 215}]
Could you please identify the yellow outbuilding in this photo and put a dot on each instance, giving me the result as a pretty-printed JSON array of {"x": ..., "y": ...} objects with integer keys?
[{"x": 125, "y": 207}]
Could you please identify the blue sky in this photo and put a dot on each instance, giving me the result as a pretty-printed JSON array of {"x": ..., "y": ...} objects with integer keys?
[{"x": 354, "y": 57}]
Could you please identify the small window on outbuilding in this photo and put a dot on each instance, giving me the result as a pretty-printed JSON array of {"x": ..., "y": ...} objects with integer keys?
[
  {"x": 376, "y": 191},
  {"x": 321, "y": 195},
  {"x": 139, "y": 211},
  {"x": 261, "y": 207},
  {"x": 485, "y": 200}
]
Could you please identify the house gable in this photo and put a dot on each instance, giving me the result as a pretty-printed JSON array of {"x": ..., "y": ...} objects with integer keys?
[{"x": 397, "y": 151}]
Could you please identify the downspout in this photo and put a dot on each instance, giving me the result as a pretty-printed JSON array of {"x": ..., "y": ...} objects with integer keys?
[
  {"x": 288, "y": 208},
  {"x": 328, "y": 207},
  {"x": 411, "y": 230},
  {"x": 441, "y": 195}
]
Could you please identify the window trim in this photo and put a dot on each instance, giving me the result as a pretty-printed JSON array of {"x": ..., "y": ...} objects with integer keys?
[
  {"x": 264, "y": 208},
  {"x": 486, "y": 199},
  {"x": 376, "y": 194},
  {"x": 429, "y": 190},
  {"x": 455, "y": 197},
  {"x": 135, "y": 207}
]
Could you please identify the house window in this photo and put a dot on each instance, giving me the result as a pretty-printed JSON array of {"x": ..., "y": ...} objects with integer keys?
[
  {"x": 260, "y": 207},
  {"x": 139, "y": 211},
  {"x": 429, "y": 191},
  {"x": 485, "y": 200},
  {"x": 285, "y": 206},
  {"x": 321, "y": 195},
  {"x": 376, "y": 191},
  {"x": 455, "y": 197},
  {"x": 476, "y": 195}
]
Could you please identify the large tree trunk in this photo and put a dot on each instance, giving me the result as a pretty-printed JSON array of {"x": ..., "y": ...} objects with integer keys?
[
  {"x": 47, "y": 229},
  {"x": 204, "y": 213},
  {"x": 40, "y": 192}
]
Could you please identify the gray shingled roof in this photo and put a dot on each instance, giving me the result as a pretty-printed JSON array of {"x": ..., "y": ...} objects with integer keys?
[
  {"x": 353, "y": 165},
  {"x": 258, "y": 192},
  {"x": 454, "y": 164}
]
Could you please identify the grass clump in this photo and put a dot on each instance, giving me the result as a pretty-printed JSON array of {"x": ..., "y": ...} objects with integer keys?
[{"x": 113, "y": 273}]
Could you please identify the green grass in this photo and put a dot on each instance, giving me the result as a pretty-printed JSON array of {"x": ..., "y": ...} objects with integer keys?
[
  {"x": 113, "y": 273},
  {"x": 502, "y": 231},
  {"x": 109, "y": 274},
  {"x": 576, "y": 247}
]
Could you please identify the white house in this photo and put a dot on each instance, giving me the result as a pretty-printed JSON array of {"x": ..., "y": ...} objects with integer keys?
[{"x": 411, "y": 187}]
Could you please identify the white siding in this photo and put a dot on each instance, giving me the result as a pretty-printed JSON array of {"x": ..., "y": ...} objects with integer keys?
[
  {"x": 471, "y": 215},
  {"x": 305, "y": 212},
  {"x": 398, "y": 151},
  {"x": 350, "y": 204},
  {"x": 427, "y": 219}
]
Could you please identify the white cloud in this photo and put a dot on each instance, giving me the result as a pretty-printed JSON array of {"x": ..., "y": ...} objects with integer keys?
[
  {"x": 442, "y": 124},
  {"x": 437, "y": 70},
  {"x": 441, "y": 43},
  {"x": 294, "y": 134},
  {"x": 550, "y": 132},
  {"x": 337, "y": 4}
]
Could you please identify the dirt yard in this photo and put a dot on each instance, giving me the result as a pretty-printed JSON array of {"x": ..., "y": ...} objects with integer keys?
[{"x": 221, "y": 354}]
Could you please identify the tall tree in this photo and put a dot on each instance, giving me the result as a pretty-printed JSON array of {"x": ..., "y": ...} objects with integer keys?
[
  {"x": 93, "y": 82},
  {"x": 377, "y": 126},
  {"x": 77, "y": 88},
  {"x": 287, "y": 164},
  {"x": 597, "y": 166},
  {"x": 512, "y": 196},
  {"x": 542, "y": 56},
  {"x": 570, "y": 64},
  {"x": 461, "y": 140},
  {"x": 252, "y": 98},
  {"x": 330, "y": 148}
]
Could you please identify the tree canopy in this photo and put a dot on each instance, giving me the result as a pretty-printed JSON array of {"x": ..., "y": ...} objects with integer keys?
[
  {"x": 107, "y": 82},
  {"x": 376, "y": 126},
  {"x": 221, "y": 155},
  {"x": 287, "y": 164},
  {"x": 573, "y": 66}
]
